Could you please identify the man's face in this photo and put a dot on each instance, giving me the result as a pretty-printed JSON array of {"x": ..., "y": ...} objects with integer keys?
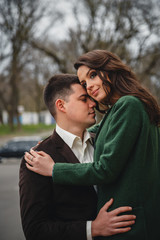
[{"x": 80, "y": 108}]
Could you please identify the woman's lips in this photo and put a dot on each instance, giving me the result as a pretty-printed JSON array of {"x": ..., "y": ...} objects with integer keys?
[{"x": 94, "y": 93}]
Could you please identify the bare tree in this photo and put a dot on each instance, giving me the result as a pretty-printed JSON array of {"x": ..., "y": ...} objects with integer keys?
[
  {"x": 131, "y": 29},
  {"x": 35, "y": 77},
  {"x": 17, "y": 23}
]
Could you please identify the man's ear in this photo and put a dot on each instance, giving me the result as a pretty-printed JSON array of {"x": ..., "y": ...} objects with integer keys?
[{"x": 60, "y": 105}]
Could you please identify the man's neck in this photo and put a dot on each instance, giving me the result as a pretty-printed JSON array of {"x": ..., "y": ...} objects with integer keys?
[{"x": 78, "y": 131}]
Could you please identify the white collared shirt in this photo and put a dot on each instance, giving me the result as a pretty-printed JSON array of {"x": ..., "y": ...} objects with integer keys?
[{"x": 82, "y": 150}]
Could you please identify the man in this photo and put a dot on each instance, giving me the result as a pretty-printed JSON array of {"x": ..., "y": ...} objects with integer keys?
[{"x": 51, "y": 211}]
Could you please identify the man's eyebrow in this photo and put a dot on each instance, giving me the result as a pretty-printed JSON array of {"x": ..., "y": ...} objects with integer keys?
[{"x": 83, "y": 95}]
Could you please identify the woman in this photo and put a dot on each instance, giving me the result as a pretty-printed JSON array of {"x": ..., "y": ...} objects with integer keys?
[{"x": 127, "y": 144}]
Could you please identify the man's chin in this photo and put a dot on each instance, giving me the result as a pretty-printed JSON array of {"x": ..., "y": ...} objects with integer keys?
[{"x": 91, "y": 123}]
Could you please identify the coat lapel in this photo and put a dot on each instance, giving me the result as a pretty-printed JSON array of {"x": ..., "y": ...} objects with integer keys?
[{"x": 63, "y": 149}]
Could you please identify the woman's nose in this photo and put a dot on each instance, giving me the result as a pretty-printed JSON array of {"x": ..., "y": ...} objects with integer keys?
[{"x": 89, "y": 85}]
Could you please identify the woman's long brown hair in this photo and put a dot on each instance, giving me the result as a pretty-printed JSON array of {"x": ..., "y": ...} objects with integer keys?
[{"x": 123, "y": 80}]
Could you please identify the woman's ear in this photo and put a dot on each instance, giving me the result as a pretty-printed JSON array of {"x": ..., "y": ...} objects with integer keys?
[{"x": 60, "y": 105}]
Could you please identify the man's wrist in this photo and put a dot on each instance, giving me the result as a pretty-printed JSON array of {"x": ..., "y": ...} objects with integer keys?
[{"x": 94, "y": 230}]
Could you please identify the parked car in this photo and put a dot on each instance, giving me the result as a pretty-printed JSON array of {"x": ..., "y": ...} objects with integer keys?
[{"x": 16, "y": 147}]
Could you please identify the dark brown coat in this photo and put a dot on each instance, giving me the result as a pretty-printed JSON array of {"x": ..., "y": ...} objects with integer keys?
[{"x": 50, "y": 211}]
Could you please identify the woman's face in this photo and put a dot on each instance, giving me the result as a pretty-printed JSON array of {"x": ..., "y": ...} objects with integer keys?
[{"x": 91, "y": 81}]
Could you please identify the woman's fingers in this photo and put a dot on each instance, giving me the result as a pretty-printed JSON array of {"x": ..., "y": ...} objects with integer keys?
[
  {"x": 34, "y": 153},
  {"x": 39, "y": 162},
  {"x": 29, "y": 158},
  {"x": 28, "y": 166}
]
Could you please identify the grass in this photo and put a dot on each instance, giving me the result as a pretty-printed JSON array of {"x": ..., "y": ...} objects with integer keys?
[{"x": 25, "y": 129}]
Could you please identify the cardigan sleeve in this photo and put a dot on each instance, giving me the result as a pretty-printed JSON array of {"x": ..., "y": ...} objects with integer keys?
[{"x": 122, "y": 128}]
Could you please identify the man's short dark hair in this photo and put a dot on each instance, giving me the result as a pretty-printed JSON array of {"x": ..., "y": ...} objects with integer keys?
[{"x": 58, "y": 86}]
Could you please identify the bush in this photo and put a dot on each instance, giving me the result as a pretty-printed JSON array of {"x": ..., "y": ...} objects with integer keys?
[{"x": 25, "y": 129}]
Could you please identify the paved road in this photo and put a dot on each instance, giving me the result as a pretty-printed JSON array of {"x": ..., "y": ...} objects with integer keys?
[{"x": 10, "y": 223}]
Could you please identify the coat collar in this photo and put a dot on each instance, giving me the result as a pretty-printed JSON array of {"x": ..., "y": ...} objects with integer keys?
[{"x": 63, "y": 149}]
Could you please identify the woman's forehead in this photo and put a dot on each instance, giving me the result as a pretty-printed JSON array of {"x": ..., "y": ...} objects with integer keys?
[{"x": 83, "y": 71}]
